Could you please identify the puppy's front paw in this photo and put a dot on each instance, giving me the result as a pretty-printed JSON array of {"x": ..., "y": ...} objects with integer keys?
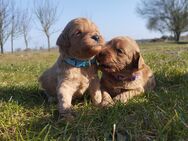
[
  {"x": 107, "y": 101},
  {"x": 121, "y": 98}
]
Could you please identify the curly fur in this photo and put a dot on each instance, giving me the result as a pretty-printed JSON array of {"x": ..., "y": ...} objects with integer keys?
[
  {"x": 66, "y": 81},
  {"x": 125, "y": 73}
]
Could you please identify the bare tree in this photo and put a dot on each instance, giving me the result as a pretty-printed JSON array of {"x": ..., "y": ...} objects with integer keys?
[
  {"x": 165, "y": 15},
  {"x": 15, "y": 24},
  {"x": 46, "y": 14},
  {"x": 4, "y": 23},
  {"x": 25, "y": 26}
]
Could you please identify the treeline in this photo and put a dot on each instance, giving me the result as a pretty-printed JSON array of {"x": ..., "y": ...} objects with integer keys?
[
  {"x": 165, "y": 16},
  {"x": 16, "y": 21}
]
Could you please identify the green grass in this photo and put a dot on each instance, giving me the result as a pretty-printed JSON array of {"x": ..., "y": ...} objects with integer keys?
[{"x": 161, "y": 115}]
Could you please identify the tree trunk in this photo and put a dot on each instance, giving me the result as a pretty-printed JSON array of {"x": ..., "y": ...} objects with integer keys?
[
  {"x": 26, "y": 42},
  {"x": 12, "y": 33},
  {"x": 48, "y": 38},
  {"x": 177, "y": 36},
  {"x": 12, "y": 42},
  {"x": 2, "y": 51},
  {"x": 1, "y": 37}
]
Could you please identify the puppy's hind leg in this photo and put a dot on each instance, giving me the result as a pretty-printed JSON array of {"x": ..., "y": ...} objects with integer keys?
[
  {"x": 125, "y": 96},
  {"x": 50, "y": 98},
  {"x": 48, "y": 84}
]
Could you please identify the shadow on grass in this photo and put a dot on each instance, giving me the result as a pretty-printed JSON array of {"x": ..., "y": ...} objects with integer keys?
[
  {"x": 159, "y": 115},
  {"x": 182, "y": 42},
  {"x": 31, "y": 95},
  {"x": 172, "y": 82},
  {"x": 26, "y": 96}
]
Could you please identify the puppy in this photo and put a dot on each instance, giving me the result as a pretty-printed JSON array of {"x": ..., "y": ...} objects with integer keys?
[
  {"x": 75, "y": 70},
  {"x": 124, "y": 73}
]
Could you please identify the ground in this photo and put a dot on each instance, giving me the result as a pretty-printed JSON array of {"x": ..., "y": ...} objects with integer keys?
[{"x": 160, "y": 115}]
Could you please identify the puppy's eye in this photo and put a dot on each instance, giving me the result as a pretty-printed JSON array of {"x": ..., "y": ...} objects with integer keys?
[
  {"x": 119, "y": 51},
  {"x": 78, "y": 33}
]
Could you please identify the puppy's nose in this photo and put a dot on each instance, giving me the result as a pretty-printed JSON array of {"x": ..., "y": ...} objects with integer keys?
[{"x": 95, "y": 37}]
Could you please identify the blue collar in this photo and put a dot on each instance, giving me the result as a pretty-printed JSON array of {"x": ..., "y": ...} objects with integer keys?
[{"x": 80, "y": 63}]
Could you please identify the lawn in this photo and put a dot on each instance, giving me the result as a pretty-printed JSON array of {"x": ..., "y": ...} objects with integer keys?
[{"x": 161, "y": 115}]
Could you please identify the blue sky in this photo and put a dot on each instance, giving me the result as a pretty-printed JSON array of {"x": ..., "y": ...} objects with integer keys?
[{"x": 113, "y": 17}]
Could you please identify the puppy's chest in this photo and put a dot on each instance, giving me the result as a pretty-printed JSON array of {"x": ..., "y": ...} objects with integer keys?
[{"x": 81, "y": 76}]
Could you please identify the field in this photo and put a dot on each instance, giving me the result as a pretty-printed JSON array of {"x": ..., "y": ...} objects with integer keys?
[{"x": 161, "y": 115}]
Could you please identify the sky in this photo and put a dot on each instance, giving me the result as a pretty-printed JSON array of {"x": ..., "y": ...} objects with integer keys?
[{"x": 113, "y": 18}]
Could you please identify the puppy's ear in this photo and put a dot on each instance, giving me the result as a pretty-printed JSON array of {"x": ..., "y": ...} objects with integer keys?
[
  {"x": 63, "y": 43},
  {"x": 138, "y": 61}
]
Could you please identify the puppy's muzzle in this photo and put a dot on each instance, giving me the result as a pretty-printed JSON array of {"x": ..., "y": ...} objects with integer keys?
[
  {"x": 95, "y": 37},
  {"x": 101, "y": 55}
]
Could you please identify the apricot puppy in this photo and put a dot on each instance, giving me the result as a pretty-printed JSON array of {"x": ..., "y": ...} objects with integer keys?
[
  {"x": 75, "y": 70},
  {"x": 124, "y": 73}
]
